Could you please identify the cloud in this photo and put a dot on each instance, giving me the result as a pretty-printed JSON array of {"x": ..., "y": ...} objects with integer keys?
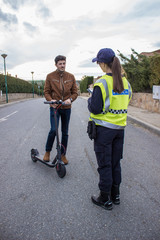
[
  {"x": 146, "y": 9},
  {"x": 157, "y": 44},
  {"x": 44, "y": 11},
  {"x": 15, "y": 4},
  {"x": 140, "y": 10},
  {"x": 29, "y": 27},
  {"x": 87, "y": 64},
  {"x": 40, "y": 30},
  {"x": 8, "y": 18}
]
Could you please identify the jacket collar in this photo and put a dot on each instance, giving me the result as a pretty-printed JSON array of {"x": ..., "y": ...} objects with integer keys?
[{"x": 59, "y": 72}]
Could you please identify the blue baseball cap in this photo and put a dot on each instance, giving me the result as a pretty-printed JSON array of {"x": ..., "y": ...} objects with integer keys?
[{"x": 105, "y": 55}]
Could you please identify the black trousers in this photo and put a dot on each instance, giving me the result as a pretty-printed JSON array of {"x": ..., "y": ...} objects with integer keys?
[{"x": 108, "y": 147}]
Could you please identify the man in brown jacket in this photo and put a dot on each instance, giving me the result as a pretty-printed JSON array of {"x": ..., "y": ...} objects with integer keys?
[{"x": 59, "y": 85}]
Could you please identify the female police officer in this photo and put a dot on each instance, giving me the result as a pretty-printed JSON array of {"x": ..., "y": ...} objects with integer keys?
[{"x": 108, "y": 106}]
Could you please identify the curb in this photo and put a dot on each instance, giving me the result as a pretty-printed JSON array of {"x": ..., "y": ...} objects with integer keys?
[
  {"x": 145, "y": 125},
  {"x": 13, "y": 102}
]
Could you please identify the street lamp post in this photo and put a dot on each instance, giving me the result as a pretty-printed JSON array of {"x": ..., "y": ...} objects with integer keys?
[
  {"x": 4, "y": 56},
  {"x": 42, "y": 88},
  {"x": 32, "y": 84},
  {"x": 39, "y": 89}
]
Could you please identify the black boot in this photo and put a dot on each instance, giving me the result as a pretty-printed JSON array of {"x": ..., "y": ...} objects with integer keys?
[
  {"x": 115, "y": 194},
  {"x": 103, "y": 200}
]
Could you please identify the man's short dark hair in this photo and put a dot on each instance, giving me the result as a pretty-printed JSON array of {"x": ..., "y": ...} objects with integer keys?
[{"x": 59, "y": 58}]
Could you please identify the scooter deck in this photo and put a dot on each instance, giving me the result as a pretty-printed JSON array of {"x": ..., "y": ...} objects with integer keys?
[{"x": 40, "y": 159}]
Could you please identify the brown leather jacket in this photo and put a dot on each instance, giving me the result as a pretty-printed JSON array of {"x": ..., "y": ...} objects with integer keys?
[{"x": 60, "y": 86}]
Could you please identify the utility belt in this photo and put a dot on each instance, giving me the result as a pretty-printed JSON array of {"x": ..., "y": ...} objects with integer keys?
[{"x": 92, "y": 130}]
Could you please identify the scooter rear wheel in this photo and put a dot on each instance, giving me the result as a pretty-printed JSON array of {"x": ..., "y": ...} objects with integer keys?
[{"x": 61, "y": 170}]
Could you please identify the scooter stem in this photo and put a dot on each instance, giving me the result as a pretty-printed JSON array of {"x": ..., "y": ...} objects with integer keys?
[{"x": 57, "y": 136}]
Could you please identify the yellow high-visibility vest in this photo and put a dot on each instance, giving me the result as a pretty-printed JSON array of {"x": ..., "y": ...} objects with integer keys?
[{"x": 114, "y": 114}]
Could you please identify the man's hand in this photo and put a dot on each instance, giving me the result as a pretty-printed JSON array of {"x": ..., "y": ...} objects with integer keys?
[
  {"x": 53, "y": 105},
  {"x": 68, "y": 101}
]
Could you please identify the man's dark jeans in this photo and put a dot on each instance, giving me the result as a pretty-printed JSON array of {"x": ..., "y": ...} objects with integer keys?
[{"x": 65, "y": 117}]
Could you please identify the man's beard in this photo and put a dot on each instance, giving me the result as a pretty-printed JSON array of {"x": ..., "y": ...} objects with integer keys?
[{"x": 61, "y": 71}]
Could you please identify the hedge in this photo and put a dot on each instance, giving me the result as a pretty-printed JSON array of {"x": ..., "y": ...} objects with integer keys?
[{"x": 17, "y": 85}]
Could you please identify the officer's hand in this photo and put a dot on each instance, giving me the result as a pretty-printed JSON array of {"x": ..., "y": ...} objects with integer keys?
[{"x": 53, "y": 105}]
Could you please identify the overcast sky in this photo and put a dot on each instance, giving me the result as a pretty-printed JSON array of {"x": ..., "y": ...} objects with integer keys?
[{"x": 33, "y": 32}]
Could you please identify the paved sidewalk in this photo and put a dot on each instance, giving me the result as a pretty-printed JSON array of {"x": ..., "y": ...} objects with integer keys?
[{"x": 146, "y": 119}]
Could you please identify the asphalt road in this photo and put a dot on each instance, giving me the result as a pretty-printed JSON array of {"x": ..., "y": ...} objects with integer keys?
[{"x": 35, "y": 204}]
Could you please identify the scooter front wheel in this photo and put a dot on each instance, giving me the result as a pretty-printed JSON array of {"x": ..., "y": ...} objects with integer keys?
[
  {"x": 34, "y": 152},
  {"x": 61, "y": 170}
]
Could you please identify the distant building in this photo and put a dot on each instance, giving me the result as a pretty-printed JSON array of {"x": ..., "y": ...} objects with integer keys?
[{"x": 150, "y": 54}]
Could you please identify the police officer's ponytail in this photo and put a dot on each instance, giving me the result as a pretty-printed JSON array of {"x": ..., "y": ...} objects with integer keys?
[{"x": 116, "y": 73}]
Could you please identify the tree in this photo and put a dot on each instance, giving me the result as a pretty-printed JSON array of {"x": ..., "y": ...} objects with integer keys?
[
  {"x": 85, "y": 82},
  {"x": 155, "y": 70},
  {"x": 138, "y": 71}
]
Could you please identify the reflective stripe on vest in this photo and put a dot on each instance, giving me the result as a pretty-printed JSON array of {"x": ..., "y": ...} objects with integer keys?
[
  {"x": 115, "y": 105},
  {"x": 107, "y": 101}
]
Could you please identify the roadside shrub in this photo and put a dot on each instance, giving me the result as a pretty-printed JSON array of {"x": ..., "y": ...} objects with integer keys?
[
  {"x": 85, "y": 82},
  {"x": 16, "y": 85}
]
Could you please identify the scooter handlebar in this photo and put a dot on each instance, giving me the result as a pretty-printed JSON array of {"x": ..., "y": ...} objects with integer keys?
[{"x": 58, "y": 102}]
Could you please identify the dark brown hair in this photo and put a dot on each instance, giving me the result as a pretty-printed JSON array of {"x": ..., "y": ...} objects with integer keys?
[
  {"x": 116, "y": 73},
  {"x": 59, "y": 58}
]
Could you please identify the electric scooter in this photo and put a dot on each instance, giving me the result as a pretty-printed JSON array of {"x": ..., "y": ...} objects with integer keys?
[{"x": 57, "y": 162}]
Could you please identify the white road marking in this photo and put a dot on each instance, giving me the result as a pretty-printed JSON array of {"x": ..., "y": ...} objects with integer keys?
[{"x": 5, "y": 118}]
